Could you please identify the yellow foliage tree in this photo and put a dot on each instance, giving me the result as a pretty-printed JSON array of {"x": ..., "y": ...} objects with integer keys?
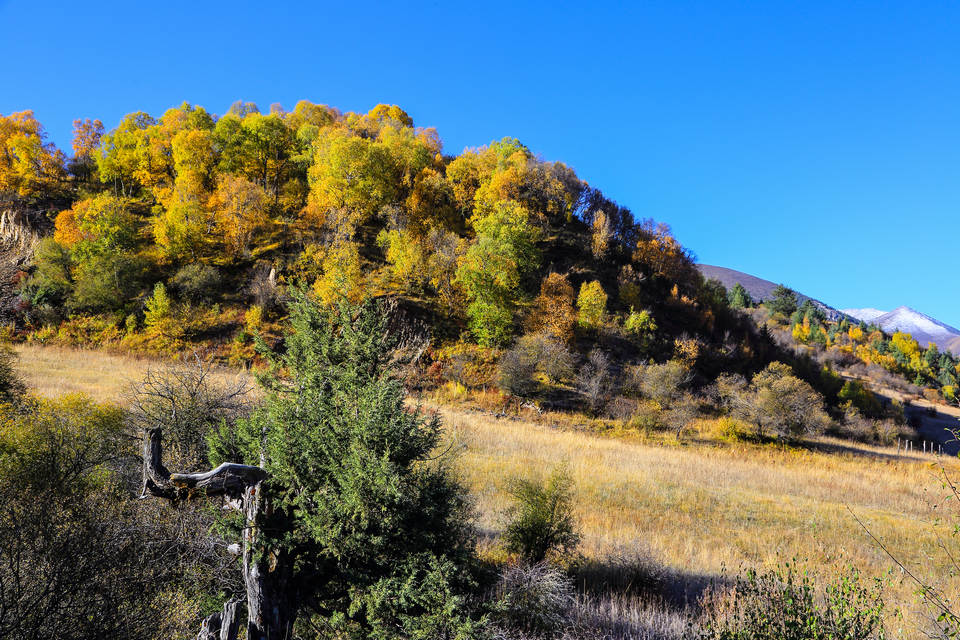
[
  {"x": 801, "y": 330},
  {"x": 431, "y": 203},
  {"x": 687, "y": 350},
  {"x": 660, "y": 253},
  {"x": 240, "y": 209},
  {"x": 28, "y": 165},
  {"x": 601, "y": 234},
  {"x": 66, "y": 229},
  {"x": 592, "y": 304},
  {"x": 407, "y": 258},
  {"x": 553, "y": 311},
  {"x": 181, "y": 229},
  {"x": 342, "y": 276},
  {"x": 86, "y": 137}
]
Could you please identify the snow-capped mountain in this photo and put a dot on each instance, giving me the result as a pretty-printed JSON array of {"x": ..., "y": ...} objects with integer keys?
[
  {"x": 867, "y": 315},
  {"x": 922, "y": 327}
]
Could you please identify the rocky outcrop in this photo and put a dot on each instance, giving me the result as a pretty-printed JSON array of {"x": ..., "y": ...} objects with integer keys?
[{"x": 20, "y": 232}]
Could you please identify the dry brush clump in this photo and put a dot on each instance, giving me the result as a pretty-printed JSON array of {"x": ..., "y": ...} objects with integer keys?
[
  {"x": 787, "y": 603},
  {"x": 533, "y": 355},
  {"x": 541, "y": 601},
  {"x": 595, "y": 380}
]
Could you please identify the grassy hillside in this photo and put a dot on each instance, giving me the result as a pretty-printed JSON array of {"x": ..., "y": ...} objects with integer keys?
[{"x": 691, "y": 512}]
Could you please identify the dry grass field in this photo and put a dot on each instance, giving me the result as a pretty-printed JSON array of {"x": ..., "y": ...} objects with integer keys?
[
  {"x": 54, "y": 371},
  {"x": 701, "y": 510}
]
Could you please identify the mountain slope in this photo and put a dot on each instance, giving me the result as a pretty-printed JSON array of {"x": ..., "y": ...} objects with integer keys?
[
  {"x": 758, "y": 288},
  {"x": 867, "y": 315},
  {"x": 922, "y": 327}
]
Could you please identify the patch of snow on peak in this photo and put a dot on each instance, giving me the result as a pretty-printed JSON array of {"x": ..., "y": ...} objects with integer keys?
[
  {"x": 910, "y": 321},
  {"x": 867, "y": 315}
]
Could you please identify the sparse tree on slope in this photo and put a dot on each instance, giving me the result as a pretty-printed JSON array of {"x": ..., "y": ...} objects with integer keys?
[
  {"x": 783, "y": 300},
  {"x": 739, "y": 297}
]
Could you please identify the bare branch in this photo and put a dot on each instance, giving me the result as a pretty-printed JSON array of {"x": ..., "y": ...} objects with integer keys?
[{"x": 230, "y": 479}]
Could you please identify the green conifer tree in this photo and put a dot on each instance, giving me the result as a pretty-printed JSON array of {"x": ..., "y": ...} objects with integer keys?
[
  {"x": 783, "y": 300},
  {"x": 739, "y": 297},
  {"x": 374, "y": 528}
]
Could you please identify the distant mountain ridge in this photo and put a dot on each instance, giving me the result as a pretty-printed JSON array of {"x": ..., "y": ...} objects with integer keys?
[
  {"x": 922, "y": 327},
  {"x": 760, "y": 289}
]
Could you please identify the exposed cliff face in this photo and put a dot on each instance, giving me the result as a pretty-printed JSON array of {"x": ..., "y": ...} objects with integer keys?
[{"x": 20, "y": 232}]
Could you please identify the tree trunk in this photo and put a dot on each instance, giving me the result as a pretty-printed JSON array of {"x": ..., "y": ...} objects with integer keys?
[
  {"x": 222, "y": 625},
  {"x": 266, "y": 572}
]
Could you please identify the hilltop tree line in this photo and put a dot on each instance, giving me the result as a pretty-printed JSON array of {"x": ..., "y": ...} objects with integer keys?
[{"x": 189, "y": 214}]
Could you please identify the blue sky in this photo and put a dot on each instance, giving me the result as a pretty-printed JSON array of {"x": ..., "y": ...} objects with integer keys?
[{"x": 813, "y": 143}]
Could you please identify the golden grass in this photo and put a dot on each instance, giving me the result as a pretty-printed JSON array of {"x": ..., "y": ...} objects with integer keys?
[
  {"x": 702, "y": 509},
  {"x": 698, "y": 508},
  {"x": 54, "y": 371}
]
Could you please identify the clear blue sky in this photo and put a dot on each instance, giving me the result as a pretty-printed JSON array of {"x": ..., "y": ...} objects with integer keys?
[{"x": 813, "y": 143}]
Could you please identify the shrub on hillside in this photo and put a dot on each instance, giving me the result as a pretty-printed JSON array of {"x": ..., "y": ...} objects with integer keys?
[
  {"x": 856, "y": 426},
  {"x": 785, "y": 404},
  {"x": 774, "y": 401},
  {"x": 681, "y": 412},
  {"x": 532, "y": 354},
  {"x": 787, "y": 604},
  {"x": 197, "y": 283},
  {"x": 664, "y": 382},
  {"x": 854, "y": 393},
  {"x": 536, "y": 600},
  {"x": 640, "y": 327},
  {"x": 595, "y": 380},
  {"x": 106, "y": 282},
  {"x": 724, "y": 428},
  {"x": 648, "y": 416},
  {"x": 541, "y": 519},
  {"x": 51, "y": 283},
  {"x": 516, "y": 370}
]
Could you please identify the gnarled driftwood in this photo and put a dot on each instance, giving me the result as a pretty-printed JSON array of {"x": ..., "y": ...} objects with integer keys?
[{"x": 270, "y": 614}]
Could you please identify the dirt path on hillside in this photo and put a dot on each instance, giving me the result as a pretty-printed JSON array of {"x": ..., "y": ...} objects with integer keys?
[{"x": 937, "y": 423}]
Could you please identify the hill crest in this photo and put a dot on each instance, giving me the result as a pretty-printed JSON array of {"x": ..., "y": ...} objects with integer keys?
[{"x": 758, "y": 288}]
